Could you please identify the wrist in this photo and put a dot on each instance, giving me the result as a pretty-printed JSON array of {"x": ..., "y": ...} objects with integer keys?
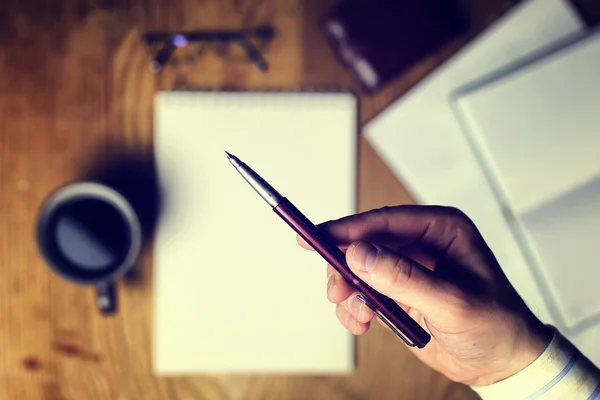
[
  {"x": 533, "y": 344},
  {"x": 530, "y": 341}
]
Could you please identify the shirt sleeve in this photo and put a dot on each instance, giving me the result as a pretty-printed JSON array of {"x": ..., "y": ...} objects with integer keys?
[{"x": 560, "y": 372}]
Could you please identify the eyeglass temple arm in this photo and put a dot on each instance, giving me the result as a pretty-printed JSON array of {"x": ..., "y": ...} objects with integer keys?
[
  {"x": 254, "y": 55},
  {"x": 162, "y": 56}
]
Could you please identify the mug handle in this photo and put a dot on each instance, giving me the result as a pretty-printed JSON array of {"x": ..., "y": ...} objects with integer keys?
[{"x": 106, "y": 297}]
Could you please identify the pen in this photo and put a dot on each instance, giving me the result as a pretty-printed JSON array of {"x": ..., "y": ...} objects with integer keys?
[{"x": 390, "y": 313}]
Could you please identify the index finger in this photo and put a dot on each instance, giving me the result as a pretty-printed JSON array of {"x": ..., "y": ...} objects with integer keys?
[
  {"x": 322, "y": 226},
  {"x": 434, "y": 226}
]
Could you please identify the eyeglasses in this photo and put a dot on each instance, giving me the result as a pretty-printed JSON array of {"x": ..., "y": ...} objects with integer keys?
[{"x": 246, "y": 45}]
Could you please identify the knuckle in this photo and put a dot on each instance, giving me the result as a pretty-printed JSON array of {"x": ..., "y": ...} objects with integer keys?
[
  {"x": 385, "y": 210},
  {"x": 455, "y": 212},
  {"x": 381, "y": 215},
  {"x": 459, "y": 220},
  {"x": 401, "y": 274},
  {"x": 458, "y": 225}
]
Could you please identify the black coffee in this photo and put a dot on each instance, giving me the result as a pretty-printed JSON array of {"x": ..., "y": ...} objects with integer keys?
[{"x": 90, "y": 236}]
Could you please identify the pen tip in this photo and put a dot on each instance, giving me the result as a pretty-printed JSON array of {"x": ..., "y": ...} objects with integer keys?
[{"x": 228, "y": 155}]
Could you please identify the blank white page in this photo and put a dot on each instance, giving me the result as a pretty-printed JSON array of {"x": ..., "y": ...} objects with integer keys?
[
  {"x": 538, "y": 127},
  {"x": 565, "y": 236},
  {"x": 536, "y": 132},
  {"x": 234, "y": 293}
]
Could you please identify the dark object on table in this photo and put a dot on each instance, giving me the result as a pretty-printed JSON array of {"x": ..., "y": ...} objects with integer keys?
[
  {"x": 90, "y": 234},
  {"x": 377, "y": 40},
  {"x": 249, "y": 43}
]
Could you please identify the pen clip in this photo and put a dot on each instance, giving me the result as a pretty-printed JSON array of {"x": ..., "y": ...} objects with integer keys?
[{"x": 362, "y": 298}]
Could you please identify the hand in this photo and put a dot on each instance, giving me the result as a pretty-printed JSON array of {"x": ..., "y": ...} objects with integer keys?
[{"x": 435, "y": 264}]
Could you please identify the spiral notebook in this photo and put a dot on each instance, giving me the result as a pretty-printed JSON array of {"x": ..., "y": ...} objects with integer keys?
[{"x": 234, "y": 293}]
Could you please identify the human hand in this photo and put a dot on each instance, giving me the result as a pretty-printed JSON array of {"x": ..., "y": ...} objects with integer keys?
[{"x": 436, "y": 265}]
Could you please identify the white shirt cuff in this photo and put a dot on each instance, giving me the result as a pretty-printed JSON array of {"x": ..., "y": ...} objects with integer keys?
[{"x": 560, "y": 372}]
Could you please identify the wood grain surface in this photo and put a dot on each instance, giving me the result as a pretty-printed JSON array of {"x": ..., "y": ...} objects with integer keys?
[{"x": 75, "y": 85}]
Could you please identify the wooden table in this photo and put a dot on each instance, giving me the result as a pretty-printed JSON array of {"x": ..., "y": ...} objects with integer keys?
[{"x": 73, "y": 79}]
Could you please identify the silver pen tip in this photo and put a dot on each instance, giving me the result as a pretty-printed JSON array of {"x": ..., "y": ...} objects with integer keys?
[{"x": 233, "y": 160}]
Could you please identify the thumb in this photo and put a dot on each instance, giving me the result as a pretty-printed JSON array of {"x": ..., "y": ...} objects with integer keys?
[{"x": 399, "y": 278}]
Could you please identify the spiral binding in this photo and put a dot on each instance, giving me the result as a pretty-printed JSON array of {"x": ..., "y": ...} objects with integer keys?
[{"x": 189, "y": 96}]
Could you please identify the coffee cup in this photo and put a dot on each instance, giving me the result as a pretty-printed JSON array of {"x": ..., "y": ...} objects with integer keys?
[{"x": 89, "y": 234}]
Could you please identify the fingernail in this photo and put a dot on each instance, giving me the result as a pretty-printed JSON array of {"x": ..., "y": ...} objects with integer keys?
[
  {"x": 364, "y": 257},
  {"x": 355, "y": 306},
  {"x": 351, "y": 322},
  {"x": 330, "y": 282}
]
